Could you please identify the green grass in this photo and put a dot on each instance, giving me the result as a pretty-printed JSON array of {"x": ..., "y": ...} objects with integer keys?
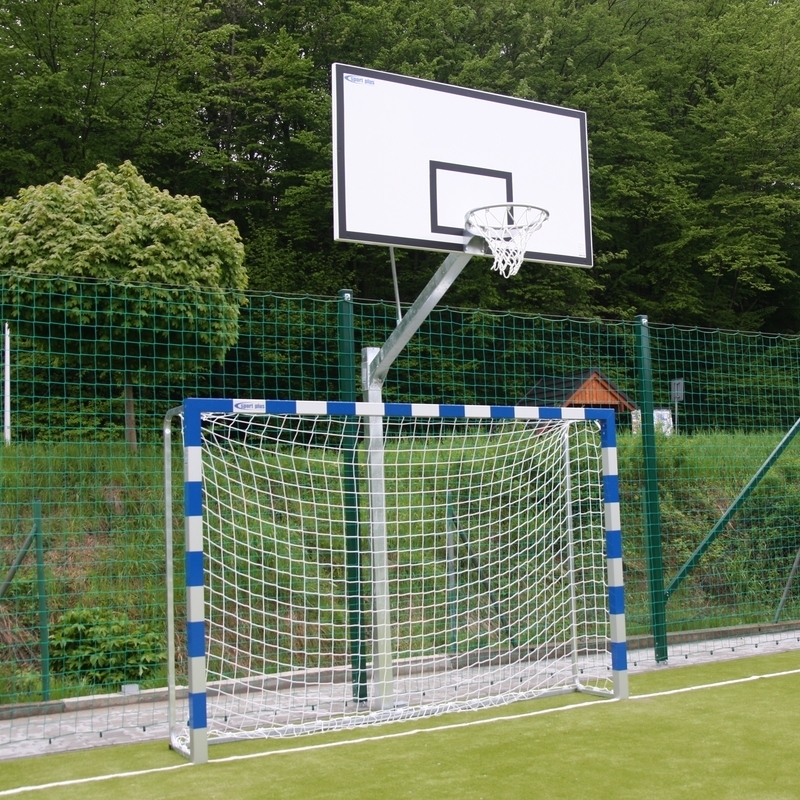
[{"x": 735, "y": 741}]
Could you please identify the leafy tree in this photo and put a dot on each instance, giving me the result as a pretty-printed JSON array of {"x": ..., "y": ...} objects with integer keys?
[
  {"x": 264, "y": 102},
  {"x": 90, "y": 81},
  {"x": 177, "y": 277},
  {"x": 693, "y": 108}
]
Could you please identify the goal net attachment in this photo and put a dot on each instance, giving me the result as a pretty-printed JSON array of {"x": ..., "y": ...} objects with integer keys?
[{"x": 469, "y": 557}]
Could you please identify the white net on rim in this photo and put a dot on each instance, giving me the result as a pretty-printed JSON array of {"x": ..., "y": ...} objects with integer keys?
[{"x": 506, "y": 228}]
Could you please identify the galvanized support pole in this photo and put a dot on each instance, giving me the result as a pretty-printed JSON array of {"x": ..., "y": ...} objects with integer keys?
[
  {"x": 41, "y": 585},
  {"x": 652, "y": 511},
  {"x": 375, "y": 363},
  {"x": 419, "y": 311},
  {"x": 348, "y": 392},
  {"x": 379, "y": 550}
]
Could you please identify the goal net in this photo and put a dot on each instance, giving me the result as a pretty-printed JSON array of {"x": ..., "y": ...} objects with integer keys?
[{"x": 358, "y": 563}]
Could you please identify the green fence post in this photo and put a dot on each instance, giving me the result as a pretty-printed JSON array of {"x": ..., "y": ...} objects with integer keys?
[
  {"x": 652, "y": 511},
  {"x": 348, "y": 392},
  {"x": 41, "y": 586}
]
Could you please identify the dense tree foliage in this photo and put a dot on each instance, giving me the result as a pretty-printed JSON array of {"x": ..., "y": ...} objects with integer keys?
[
  {"x": 692, "y": 108},
  {"x": 170, "y": 309}
]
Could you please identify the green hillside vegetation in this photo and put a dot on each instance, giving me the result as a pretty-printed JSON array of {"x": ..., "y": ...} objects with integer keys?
[{"x": 104, "y": 541}]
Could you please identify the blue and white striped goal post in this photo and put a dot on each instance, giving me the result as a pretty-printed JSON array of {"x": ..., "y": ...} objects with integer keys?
[{"x": 195, "y": 408}]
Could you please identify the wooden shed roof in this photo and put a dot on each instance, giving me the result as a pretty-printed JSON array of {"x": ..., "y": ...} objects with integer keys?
[{"x": 583, "y": 389}]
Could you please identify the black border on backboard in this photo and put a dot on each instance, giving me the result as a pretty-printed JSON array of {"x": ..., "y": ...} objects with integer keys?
[
  {"x": 443, "y": 166},
  {"x": 341, "y": 231}
]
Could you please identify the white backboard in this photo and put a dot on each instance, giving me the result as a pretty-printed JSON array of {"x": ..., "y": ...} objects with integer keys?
[{"x": 411, "y": 157}]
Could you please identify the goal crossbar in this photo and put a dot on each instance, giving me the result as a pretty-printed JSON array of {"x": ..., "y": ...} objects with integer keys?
[{"x": 499, "y": 533}]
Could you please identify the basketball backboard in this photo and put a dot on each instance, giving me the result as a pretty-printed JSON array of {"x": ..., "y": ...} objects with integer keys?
[{"x": 412, "y": 157}]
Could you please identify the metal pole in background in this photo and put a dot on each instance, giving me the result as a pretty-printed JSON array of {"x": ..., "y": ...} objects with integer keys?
[
  {"x": 348, "y": 392},
  {"x": 41, "y": 585},
  {"x": 452, "y": 572},
  {"x": 787, "y": 588},
  {"x": 676, "y": 388},
  {"x": 396, "y": 286},
  {"x": 170, "y": 566},
  {"x": 732, "y": 509},
  {"x": 7, "y": 385},
  {"x": 652, "y": 510},
  {"x": 35, "y": 538},
  {"x": 573, "y": 599}
]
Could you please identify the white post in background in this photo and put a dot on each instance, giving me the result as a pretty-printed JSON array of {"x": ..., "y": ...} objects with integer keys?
[
  {"x": 676, "y": 388},
  {"x": 7, "y": 385}
]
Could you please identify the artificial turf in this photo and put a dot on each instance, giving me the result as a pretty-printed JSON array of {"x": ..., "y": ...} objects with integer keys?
[{"x": 728, "y": 741}]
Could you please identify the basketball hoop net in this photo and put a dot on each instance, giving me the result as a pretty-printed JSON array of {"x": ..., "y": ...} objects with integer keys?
[{"x": 506, "y": 229}]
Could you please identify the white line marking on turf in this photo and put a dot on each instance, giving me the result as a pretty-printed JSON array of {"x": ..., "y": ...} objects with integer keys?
[
  {"x": 397, "y": 735},
  {"x": 92, "y": 779},
  {"x": 525, "y": 715},
  {"x": 413, "y": 731},
  {"x": 715, "y": 685}
]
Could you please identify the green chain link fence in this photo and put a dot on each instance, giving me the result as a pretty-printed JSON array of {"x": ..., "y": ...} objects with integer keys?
[{"x": 94, "y": 369}]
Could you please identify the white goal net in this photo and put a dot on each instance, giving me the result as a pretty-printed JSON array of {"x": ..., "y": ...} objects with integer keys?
[{"x": 448, "y": 563}]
